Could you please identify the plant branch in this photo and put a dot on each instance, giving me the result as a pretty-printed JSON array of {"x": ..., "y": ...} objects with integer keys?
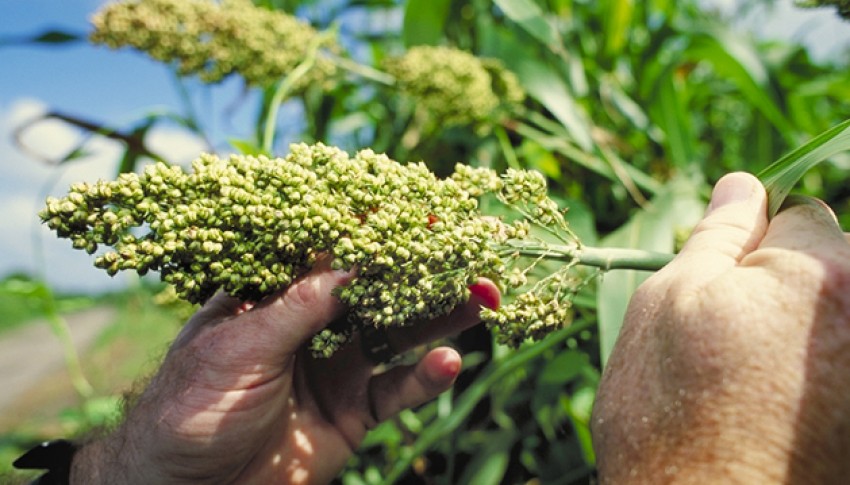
[
  {"x": 364, "y": 71},
  {"x": 284, "y": 88},
  {"x": 603, "y": 258}
]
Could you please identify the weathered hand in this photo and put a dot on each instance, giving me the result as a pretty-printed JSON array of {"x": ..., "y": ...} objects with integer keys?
[
  {"x": 239, "y": 399},
  {"x": 733, "y": 363}
]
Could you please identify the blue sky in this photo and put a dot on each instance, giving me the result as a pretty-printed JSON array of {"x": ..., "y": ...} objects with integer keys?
[
  {"x": 117, "y": 87},
  {"x": 106, "y": 86}
]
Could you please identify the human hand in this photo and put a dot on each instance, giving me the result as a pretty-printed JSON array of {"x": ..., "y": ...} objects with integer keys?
[
  {"x": 239, "y": 398},
  {"x": 732, "y": 365}
]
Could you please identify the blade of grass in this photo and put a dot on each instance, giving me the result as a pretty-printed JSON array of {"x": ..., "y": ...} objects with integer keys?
[{"x": 781, "y": 176}]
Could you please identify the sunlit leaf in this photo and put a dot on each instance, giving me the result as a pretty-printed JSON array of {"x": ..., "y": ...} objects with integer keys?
[
  {"x": 781, "y": 176},
  {"x": 247, "y": 147},
  {"x": 579, "y": 407},
  {"x": 546, "y": 86},
  {"x": 528, "y": 15}
]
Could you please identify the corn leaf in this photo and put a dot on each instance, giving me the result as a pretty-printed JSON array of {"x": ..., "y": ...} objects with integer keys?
[{"x": 781, "y": 176}]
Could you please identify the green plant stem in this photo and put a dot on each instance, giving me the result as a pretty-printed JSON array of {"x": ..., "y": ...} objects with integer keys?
[
  {"x": 364, "y": 71},
  {"x": 59, "y": 327},
  {"x": 284, "y": 88},
  {"x": 603, "y": 258}
]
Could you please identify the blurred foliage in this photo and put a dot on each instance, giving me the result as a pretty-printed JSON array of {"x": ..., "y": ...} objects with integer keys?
[
  {"x": 120, "y": 360},
  {"x": 23, "y": 298},
  {"x": 633, "y": 110}
]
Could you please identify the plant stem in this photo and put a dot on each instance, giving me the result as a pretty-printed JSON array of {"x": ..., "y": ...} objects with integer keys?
[
  {"x": 603, "y": 258},
  {"x": 285, "y": 87},
  {"x": 364, "y": 71},
  {"x": 59, "y": 327}
]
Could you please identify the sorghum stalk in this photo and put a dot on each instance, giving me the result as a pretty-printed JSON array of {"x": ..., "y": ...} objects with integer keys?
[{"x": 250, "y": 225}]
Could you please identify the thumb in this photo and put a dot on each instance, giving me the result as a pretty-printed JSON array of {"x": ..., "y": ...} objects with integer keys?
[
  {"x": 734, "y": 224},
  {"x": 274, "y": 328},
  {"x": 307, "y": 306},
  {"x": 807, "y": 224}
]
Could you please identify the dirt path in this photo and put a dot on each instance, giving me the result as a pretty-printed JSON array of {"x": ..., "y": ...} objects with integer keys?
[{"x": 30, "y": 355}]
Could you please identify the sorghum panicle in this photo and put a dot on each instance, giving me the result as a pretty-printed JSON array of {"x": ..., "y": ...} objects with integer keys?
[
  {"x": 250, "y": 225},
  {"x": 213, "y": 40},
  {"x": 454, "y": 86}
]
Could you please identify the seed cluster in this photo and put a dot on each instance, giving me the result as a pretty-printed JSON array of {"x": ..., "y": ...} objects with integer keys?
[
  {"x": 213, "y": 40},
  {"x": 251, "y": 225},
  {"x": 454, "y": 86},
  {"x": 535, "y": 313}
]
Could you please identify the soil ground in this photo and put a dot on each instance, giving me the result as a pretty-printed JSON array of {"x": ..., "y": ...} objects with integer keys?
[{"x": 32, "y": 365}]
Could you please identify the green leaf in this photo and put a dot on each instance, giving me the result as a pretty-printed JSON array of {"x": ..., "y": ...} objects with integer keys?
[
  {"x": 544, "y": 84},
  {"x": 558, "y": 141},
  {"x": 528, "y": 15},
  {"x": 673, "y": 117},
  {"x": 617, "y": 25},
  {"x": 653, "y": 228},
  {"x": 424, "y": 21},
  {"x": 781, "y": 176},
  {"x": 565, "y": 367},
  {"x": 488, "y": 465},
  {"x": 612, "y": 91},
  {"x": 494, "y": 374},
  {"x": 385, "y": 434},
  {"x": 578, "y": 408},
  {"x": 247, "y": 147},
  {"x": 735, "y": 58}
]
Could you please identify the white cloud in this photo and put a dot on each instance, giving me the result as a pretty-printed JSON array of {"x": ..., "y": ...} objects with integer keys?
[
  {"x": 27, "y": 246},
  {"x": 176, "y": 146}
]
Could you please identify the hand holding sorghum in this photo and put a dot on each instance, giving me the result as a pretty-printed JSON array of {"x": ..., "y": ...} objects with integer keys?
[{"x": 240, "y": 399}]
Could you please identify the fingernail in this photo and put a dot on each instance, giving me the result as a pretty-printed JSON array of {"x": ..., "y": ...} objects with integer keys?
[
  {"x": 732, "y": 188},
  {"x": 485, "y": 293}
]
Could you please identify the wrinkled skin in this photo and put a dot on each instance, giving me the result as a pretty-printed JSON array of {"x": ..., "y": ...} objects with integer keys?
[
  {"x": 733, "y": 365},
  {"x": 239, "y": 399}
]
